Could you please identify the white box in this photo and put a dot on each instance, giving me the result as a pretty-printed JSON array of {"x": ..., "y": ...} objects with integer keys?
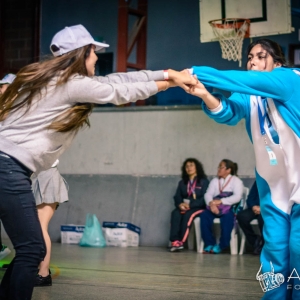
[
  {"x": 71, "y": 234},
  {"x": 121, "y": 234}
]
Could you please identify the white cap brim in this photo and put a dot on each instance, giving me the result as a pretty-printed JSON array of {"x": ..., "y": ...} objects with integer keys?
[
  {"x": 8, "y": 79},
  {"x": 4, "y": 82},
  {"x": 99, "y": 46}
]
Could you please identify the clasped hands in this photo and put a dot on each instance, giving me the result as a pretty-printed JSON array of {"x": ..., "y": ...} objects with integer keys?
[
  {"x": 184, "y": 206},
  {"x": 214, "y": 206},
  {"x": 186, "y": 81},
  {"x": 256, "y": 209}
]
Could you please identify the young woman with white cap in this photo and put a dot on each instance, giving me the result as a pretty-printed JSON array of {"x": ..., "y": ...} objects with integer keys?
[
  {"x": 49, "y": 190},
  {"x": 40, "y": 113}
]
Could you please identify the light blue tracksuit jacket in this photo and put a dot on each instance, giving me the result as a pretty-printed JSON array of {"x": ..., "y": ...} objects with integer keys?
[{"x": 277, "y": 164}]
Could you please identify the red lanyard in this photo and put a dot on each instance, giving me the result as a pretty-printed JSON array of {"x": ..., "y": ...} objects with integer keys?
[
  {"x": 223, "y": 187},
  {"x": 191, "y": 187}
]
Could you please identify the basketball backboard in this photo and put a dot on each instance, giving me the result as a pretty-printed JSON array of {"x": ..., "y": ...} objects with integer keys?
[{"x": 268, "y": 17}]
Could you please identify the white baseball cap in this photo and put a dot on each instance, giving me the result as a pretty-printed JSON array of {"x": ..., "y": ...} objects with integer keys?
[
  {"x": 73, "y": 37},
  {"x": 8, "y": 79}
]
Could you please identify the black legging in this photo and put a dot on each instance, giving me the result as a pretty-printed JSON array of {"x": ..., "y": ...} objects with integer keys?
[
  {"x": 181, "y": 223},
  {"x": 244, "y": 218}
]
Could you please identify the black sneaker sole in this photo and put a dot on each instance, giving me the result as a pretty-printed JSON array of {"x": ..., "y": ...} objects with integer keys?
[
  {"x": 37, "y": 285},
  {"x": 176, "y": 249}
]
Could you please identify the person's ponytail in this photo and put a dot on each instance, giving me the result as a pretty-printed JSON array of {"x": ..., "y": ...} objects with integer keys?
[
  {"x": 234, "y": 169},
  {"x": 231, "y": 165}
]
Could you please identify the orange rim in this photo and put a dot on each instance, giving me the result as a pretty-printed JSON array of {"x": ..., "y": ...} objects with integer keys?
[{"x": 236, "y": 24}]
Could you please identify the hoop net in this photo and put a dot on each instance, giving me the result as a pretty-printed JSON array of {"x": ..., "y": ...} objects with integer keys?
[{"x": 231, "y": 33}]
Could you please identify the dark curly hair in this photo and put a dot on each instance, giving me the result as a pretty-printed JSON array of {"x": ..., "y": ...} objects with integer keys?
[{"x": 199, "y": 169}]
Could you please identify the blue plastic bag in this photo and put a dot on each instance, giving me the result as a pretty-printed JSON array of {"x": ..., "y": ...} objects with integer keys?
[{"x": 92, "y": 235}]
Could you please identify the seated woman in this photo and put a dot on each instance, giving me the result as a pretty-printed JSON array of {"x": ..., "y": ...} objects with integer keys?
[
  {"x": 189, "y": 201},
  {"x": 223, "y": 192}
]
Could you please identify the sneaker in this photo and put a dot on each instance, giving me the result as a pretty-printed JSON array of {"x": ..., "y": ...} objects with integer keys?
[
  {"x": 176, "y": 246},
  {"x": 43, "y": 281},
  {"x": 216, "y": 249},
  {"x": 207, "y": 249},
  {"x": 4, "y": 251}
]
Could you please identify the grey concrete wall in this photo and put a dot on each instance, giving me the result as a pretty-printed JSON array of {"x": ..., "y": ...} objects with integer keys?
[
  {"x": 143, "y": 201},
  {"x": 127, "y": 165},
  {"x": 156, "y": 143},
  {"x": 146, "y": 201}
]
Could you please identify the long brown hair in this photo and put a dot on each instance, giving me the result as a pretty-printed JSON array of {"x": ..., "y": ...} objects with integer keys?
[{"x": 33, "y": 78}]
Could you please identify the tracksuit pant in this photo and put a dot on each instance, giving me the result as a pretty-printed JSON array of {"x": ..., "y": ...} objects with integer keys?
[
  {"x": 245, "y": 217},
  {"x": 181, "y": 223},
  {"x": 206, "y": 225},
  {"x": 280, "y": 257}
]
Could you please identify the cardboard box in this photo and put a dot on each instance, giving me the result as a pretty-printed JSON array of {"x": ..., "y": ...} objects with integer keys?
[
  {"x": 121, "y": 234},
  {"x": 71, "y": 234}
]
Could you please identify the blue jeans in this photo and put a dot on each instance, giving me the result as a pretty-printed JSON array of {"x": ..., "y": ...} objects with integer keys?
[{"x": 19, "y": 217}]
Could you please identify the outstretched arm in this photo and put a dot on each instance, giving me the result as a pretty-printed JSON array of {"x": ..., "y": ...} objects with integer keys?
[
  {"x": 278, "y": 84},
  {"x": 175, "y": 78}
]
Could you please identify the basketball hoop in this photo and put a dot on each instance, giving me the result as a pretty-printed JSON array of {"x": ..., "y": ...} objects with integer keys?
[{"x": 231, "y": 33}]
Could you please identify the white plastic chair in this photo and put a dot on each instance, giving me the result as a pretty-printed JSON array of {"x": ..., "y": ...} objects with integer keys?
[{"x": 199, "y": 241}]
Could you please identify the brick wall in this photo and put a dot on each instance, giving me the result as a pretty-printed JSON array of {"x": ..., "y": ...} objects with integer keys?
[{"x": 19, "y": 34}]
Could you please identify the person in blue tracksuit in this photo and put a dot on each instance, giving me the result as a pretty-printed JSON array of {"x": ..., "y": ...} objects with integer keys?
[{"x": 267, "y": 96}]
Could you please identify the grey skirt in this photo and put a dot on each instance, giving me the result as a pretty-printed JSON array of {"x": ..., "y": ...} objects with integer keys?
[{"x": 49, "y": 187}]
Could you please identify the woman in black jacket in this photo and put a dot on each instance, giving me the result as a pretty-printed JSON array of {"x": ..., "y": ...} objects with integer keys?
[{"x": 189, "y": 201}]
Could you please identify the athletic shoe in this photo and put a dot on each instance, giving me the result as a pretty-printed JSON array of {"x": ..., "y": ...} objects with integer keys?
[
  {"x": 43, "y": 281},
  {"x": 216, "y": 249},
  {"x": 4, "y": 251},
  {"x": 207, "y": 249},
  {"x": 176, "y": 246}
]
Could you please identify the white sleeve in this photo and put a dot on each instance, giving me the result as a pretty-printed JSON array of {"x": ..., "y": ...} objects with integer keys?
[
  {"x": 237, "y": 189},
  {"x": 211, "y": 191},
  {"x": 55, "y": 164},
  {"x": 217, "y": 109}
]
